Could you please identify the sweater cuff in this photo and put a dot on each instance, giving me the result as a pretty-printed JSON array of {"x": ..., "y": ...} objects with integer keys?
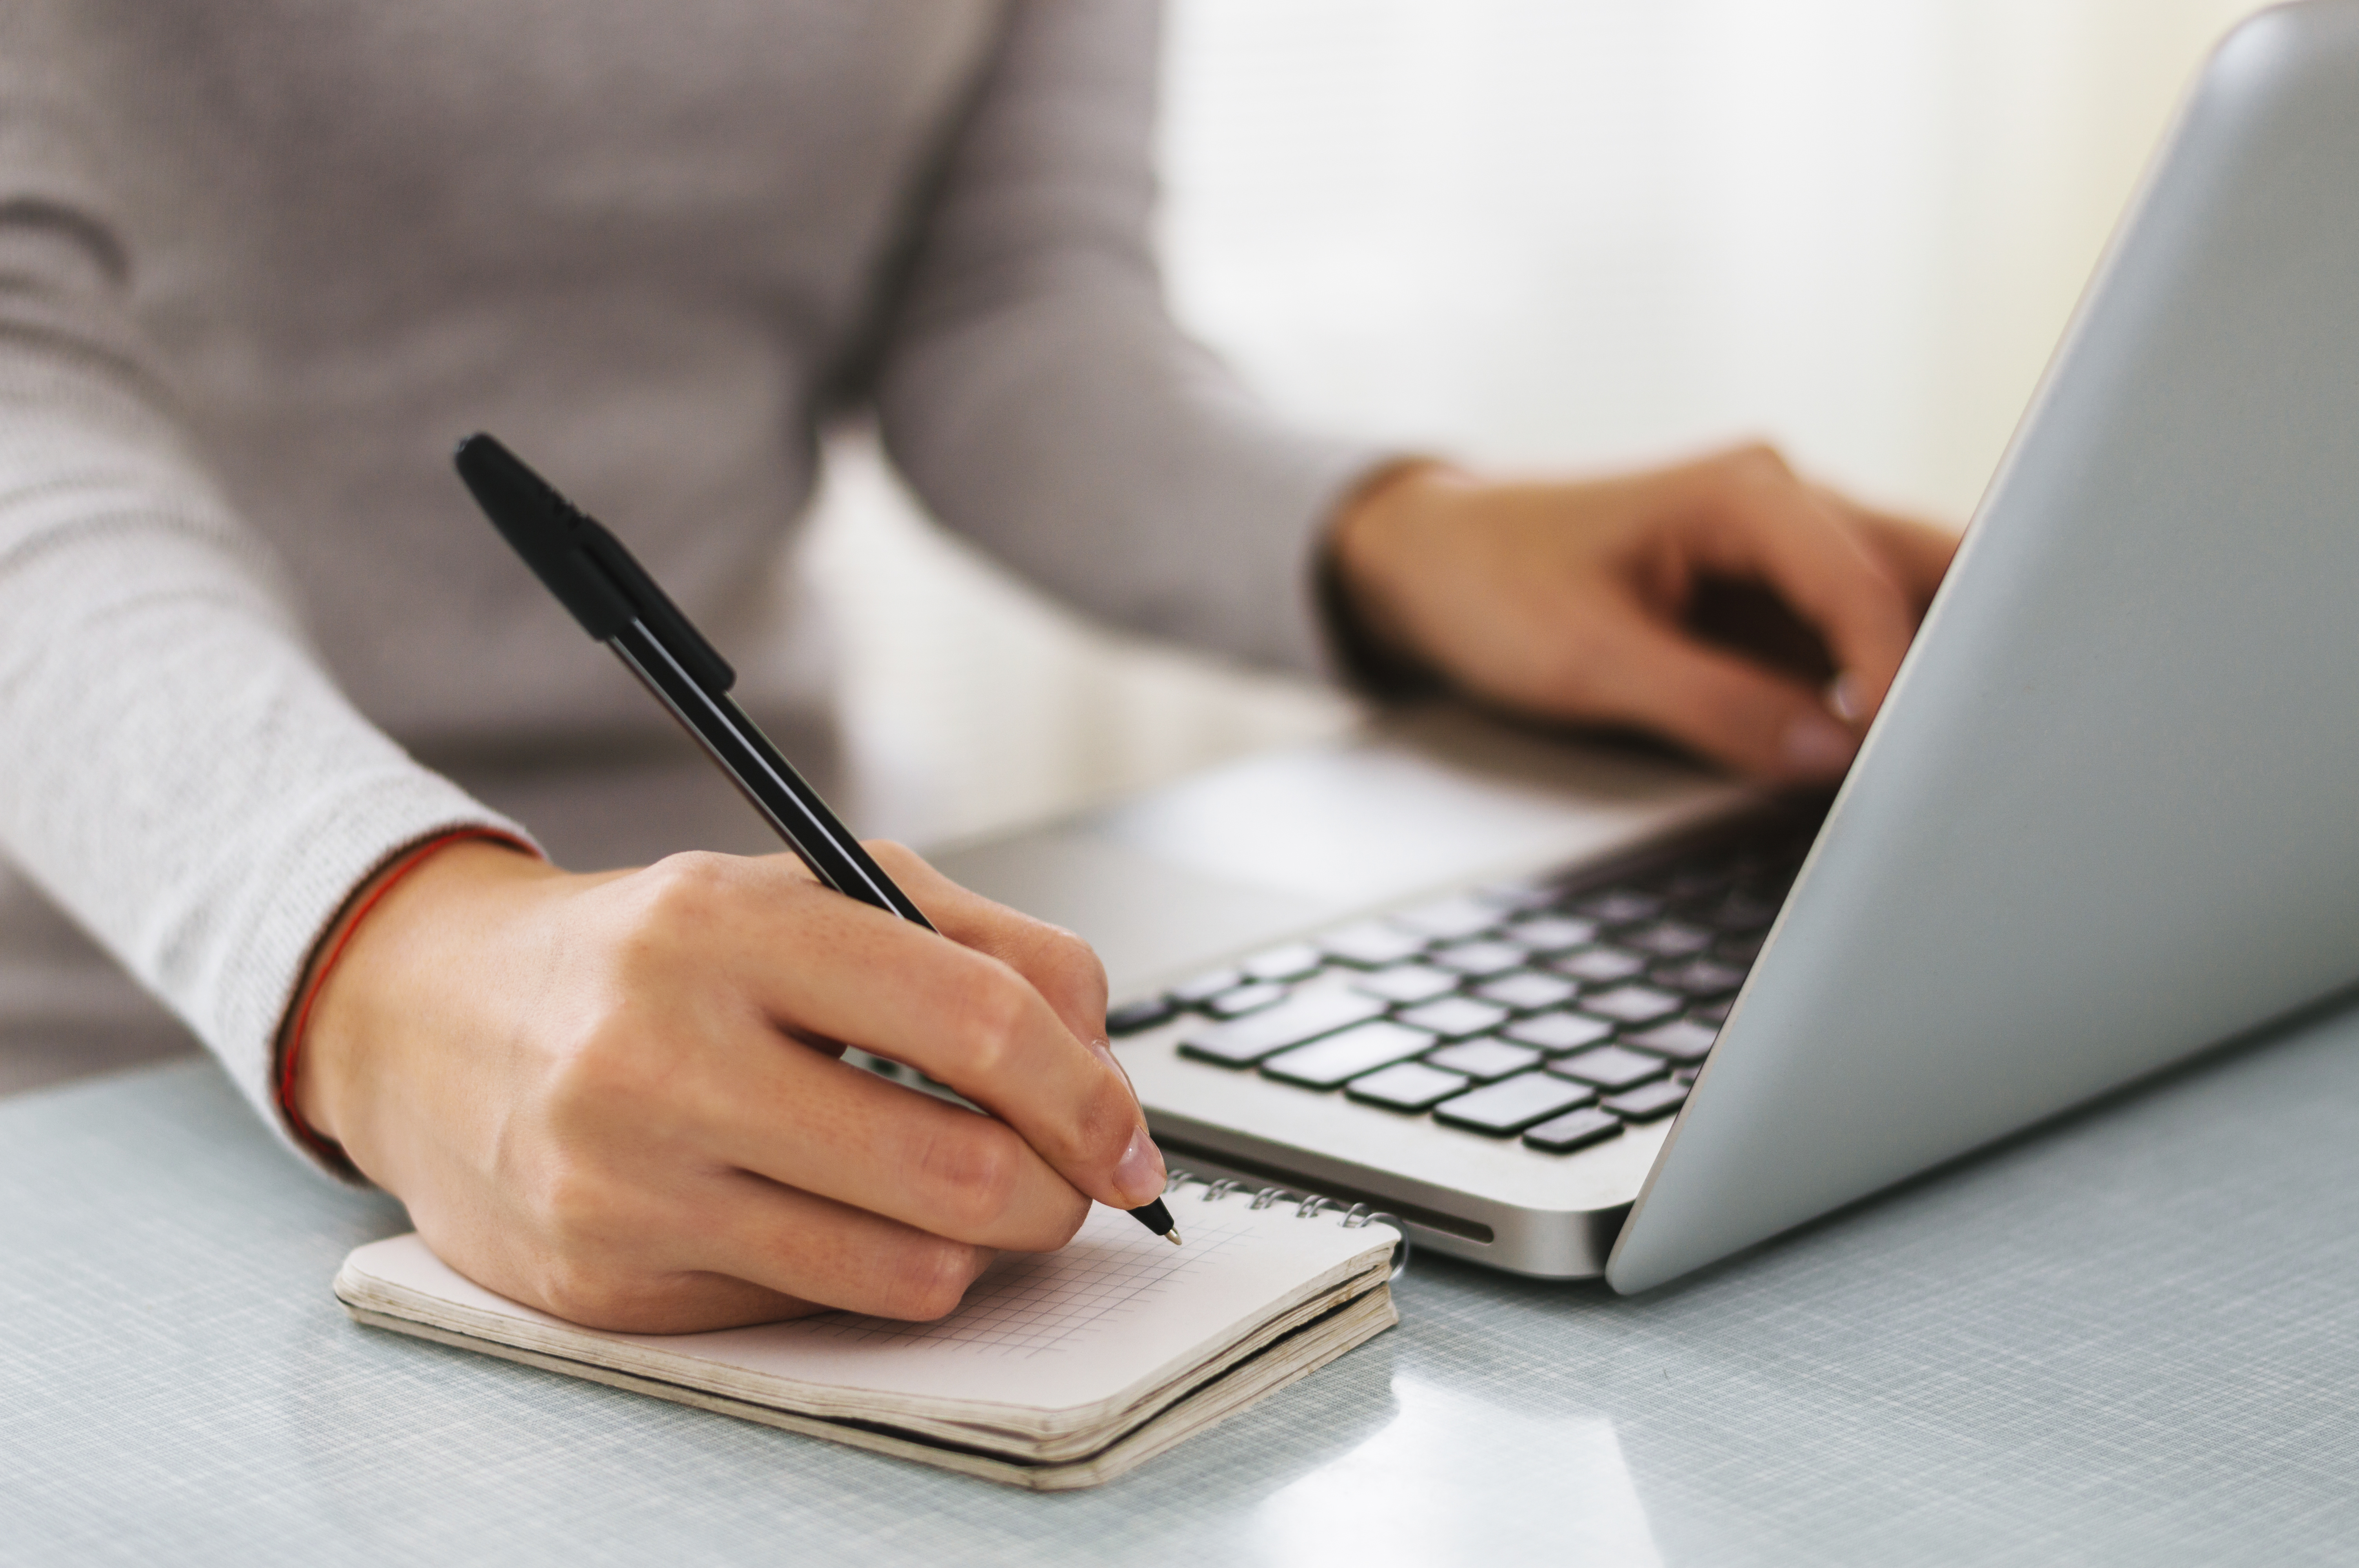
[
  {"x": 1317, "y": 635},
  {"x": 1357, "y": 657},
  {"x": 307, "y": 875}
]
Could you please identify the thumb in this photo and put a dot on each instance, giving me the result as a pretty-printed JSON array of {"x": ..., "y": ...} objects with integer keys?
[{"x": 1724, "y": 707}]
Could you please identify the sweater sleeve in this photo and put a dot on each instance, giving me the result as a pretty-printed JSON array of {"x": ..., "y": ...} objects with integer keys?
[
  {"x": 176, "y": 769},
  {"x": 1036, "y": 394}
]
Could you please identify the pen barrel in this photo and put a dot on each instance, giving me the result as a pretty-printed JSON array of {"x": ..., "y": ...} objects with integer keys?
[{"x": 781, "y": 795}]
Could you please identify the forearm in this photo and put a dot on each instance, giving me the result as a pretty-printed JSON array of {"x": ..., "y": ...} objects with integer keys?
[
  {"x": 1037, "y": 396},
  {"x": 181, "y": 777},
  {"x": 1096, "y": 452}
]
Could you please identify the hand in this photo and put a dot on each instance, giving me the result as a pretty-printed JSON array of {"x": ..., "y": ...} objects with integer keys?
[
  {"x": 1570, "y": 601},
  {"x": 619, "y": 1098}
]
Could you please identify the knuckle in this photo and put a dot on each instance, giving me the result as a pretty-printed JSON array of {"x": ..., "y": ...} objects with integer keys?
[
  {"x": 1071, "y": 958},
  {"x": 1759, "y": 460},
  {"x": 993, "y": 1012},
  {"x": 685, "y": 888},
  {"x": 976, "y": 1171},
  {"x": 1059, "y": 965},
  {"x": 929, "y": 1279}
]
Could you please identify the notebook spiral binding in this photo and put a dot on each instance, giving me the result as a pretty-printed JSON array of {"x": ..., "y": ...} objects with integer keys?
[{"x": 1307, "y": 1205}]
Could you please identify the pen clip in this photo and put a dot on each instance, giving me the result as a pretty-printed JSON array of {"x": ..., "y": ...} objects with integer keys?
[
  {"x": 658, "y": 613},
  {"x": 580, "y": 561}
]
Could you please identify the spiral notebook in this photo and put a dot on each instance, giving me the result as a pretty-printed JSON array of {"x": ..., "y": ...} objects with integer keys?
[{"x": 1059, "y": 1370}]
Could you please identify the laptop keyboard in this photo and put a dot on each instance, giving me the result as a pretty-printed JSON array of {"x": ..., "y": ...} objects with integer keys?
[{"x": 1556, "y": 1012}]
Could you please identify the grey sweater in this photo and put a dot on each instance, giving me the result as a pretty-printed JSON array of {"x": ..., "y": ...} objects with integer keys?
[{"x": 262, "y": 261}]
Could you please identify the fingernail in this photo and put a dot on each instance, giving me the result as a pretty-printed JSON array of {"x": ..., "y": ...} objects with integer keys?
[
  {"x": 1816, "y": 746},
  {"x": 1139, "y": 1178},
  {"x": 1843, "y": 699}
]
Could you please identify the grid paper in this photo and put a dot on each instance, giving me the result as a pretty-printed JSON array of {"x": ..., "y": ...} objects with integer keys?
[{"x": 1095, "y": 1288}]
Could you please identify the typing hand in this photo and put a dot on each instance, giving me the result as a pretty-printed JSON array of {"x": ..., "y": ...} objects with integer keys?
[
  {"x": 618, "y": 1097},
  {"x": 1574, "y": 601}
]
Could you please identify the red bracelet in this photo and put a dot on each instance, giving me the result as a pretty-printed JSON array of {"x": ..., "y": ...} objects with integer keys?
[{"x": 324, "y": 1147}]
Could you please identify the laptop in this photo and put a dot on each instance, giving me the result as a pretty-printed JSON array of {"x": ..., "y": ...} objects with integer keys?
[{"x": 1571, "y": 1013}]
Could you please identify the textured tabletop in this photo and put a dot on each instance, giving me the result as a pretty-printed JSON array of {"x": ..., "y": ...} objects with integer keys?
[{"x": 2132, "y": 1339}]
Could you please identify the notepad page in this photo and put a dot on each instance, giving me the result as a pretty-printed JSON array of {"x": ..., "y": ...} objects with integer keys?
[{"x": 1116, "y": 1310}]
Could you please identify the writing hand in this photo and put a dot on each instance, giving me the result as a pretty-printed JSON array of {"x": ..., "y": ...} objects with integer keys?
[{"x": 618, "y": 1097}]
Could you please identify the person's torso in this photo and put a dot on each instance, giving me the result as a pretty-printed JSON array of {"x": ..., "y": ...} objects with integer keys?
[{"x": 636, "y": 239}]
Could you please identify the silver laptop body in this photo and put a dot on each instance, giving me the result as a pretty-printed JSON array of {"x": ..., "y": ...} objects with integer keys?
[{"x": 2109, "y": 816}]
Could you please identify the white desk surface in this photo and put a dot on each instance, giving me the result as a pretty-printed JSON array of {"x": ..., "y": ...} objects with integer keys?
[{"x": 2131, "y": 1338}]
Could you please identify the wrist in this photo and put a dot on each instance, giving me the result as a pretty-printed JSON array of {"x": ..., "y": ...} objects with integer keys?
[
  {"x": 352, "y": 988},
  {"x": 1382, "y": 538}
]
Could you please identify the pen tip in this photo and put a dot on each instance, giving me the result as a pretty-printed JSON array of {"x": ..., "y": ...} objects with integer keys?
[{"x": 1172, "y": 1237}]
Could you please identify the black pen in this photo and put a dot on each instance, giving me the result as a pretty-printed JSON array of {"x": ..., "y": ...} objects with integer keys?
[{"x": 619, "y": 605}]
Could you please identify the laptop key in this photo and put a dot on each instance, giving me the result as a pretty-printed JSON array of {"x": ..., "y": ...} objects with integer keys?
[
  {"x": 1407, "y": 983},
  {"x": 1406, "y": 1085},
  {"x": 1448, "y": 919},
  {"x": 1510, "y": 896},
  {"x": 1667, "y": 939},
  {"x": 1609, "y": 1068},
  {"x": 1508, "y": 1106},
  {"x": 1633, "y": 1004},
  {"x": 1244, "y": 1000},
  {"x": 1133, "y": 1017},
  {"x": 1295, "y": 961},
  {"x": 1323, "y": 1063},
  {"x": 1649, "y": 1101},
  {"x": 1455, "y": 1017},
  {"x": 1573, "y": 1129},
  {"x": 1372, "y": 943},
  {"x": 1247, "y": 1040},
  {"x": 1477, "y": 960},
  {"x": 1620, "y": 906},
  {"x": 1485, "y": 1060},
  {"x": 1599, "y": 965},
  {"x": 1527, "y": 992},
  {"x": 1548, "y": 934},
  {"x": 1698, "y": 978},
  {"x": 1557, "y": 1033},
  {"x": 1203, "y": 988},
  {"x": 1714, "y": 1015},
  {"x": 1683, "y": 1040}
]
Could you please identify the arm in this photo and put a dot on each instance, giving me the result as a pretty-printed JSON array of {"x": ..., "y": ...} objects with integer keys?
[
  {"x": 616, "y": 1097},
  {"x": 181, "y": 775},
  {"x": 1035, "y": 392}
]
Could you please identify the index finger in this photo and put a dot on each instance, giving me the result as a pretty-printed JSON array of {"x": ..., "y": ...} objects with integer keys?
[
  {"x": 1061, "y": 966},
  {"x": 1755, "y": 516},
  {"x": 962, "y": 1017}
]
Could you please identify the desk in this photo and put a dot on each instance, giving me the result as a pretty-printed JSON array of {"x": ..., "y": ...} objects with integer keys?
[{"x": 2131, "y": 1338}]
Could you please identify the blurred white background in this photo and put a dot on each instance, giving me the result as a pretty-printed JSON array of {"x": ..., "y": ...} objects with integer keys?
[{"x": 1541, "y": 234}]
